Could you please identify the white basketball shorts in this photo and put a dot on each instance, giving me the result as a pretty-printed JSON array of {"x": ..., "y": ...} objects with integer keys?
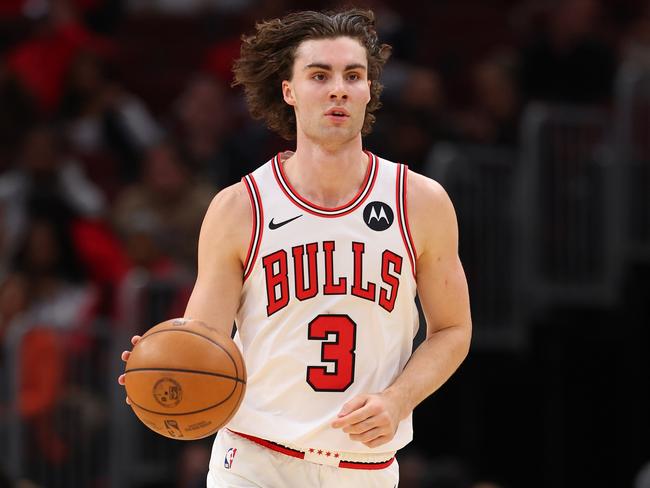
[{"x": 238, "y": 462}]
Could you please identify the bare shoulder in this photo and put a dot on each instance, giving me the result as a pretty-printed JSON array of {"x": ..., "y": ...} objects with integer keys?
[
  {"x": 231, "y": 201},
  {"x": 424, "y": 192},
  {"x": 430, "y": 211},
  {"x": 228, "y": 220}
]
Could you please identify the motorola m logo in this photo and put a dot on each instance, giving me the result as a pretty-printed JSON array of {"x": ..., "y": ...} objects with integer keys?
[
  {"x": 378, "y": 216},
  {"x": 373, "y": 214}
]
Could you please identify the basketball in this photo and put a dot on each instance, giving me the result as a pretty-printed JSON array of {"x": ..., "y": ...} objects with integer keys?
[{"x": 184, "y": 379}]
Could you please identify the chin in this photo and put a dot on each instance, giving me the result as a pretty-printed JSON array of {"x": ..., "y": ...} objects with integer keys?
[
  {"x": 342, "y": 132},
  {"x": 337, "y": 136}
]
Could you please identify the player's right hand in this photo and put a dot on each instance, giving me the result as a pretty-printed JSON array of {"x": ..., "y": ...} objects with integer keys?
[{"x": 125, "y": 358}]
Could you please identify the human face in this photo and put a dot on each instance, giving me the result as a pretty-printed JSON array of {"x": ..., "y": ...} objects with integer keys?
[{"x": 329, "y": 89}]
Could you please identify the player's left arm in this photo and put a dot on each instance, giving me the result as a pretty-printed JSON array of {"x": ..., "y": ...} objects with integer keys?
[{"x": 442, "y": 287}]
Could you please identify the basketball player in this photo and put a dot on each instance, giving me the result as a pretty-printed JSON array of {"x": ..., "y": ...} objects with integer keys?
[{"x": 317, "y": 256}]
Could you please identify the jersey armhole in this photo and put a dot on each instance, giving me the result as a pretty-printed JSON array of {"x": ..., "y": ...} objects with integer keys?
[
  {"x": 258, "y": 223},
  {"x": 402, "y": 215}
]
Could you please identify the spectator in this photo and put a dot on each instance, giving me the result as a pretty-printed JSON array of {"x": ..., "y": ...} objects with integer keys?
[
  {"x": 15, "y": 9},
  {"x": 11, "y": 9},
  {"x": 168, "y": 203},
  {"x": 418, "y": 118},
  {"x": 145, "y": 242},
  {"x": 43, "y": 171},
  {"x": 54, "y": 279},
  {"x": 569, "y": 61},
  {"x": 203, "y": 112},
  {"x": 45, "y": 291},
  {"x": 636, "y": 39},
  {"x": 101, "y": 117},
  {"x": 188, "y": 7},
  {"x": 143, "y": 235},
  {"x": 213, "y": 131},
  {"x": 494, "y": 114},
  {"x": 17, "y": 115},
  {"x": 42, "y": 61}
]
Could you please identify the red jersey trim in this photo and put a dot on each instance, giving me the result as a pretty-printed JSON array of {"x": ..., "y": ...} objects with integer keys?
[
  {"x": 307, "y": 206},
  {"x": 301, "y": 455},
  {"x": 258, "y": 223},
  {"x": 348, "y": 464},
  {"x": 402, "y": 215},
  {"x": 271, "y": 445}
]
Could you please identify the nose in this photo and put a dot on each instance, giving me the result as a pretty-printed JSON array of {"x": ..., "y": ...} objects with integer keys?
[{"x": 338, "y": 90}]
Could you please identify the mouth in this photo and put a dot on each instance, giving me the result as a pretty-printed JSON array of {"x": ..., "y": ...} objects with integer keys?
[{"x": 337, "y": 113}]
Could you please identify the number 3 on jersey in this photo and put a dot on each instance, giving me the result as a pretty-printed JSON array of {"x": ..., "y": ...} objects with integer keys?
[{"x": 340, "y": 352}]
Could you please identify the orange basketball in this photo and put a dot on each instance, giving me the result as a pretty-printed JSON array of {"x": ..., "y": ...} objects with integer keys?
[{"x": 185, "y": 380}]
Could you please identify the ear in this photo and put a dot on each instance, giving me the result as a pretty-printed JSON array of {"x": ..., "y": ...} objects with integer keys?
[
  {"x": 369, "y": 95},
  {"x": 287, "y": 93}
]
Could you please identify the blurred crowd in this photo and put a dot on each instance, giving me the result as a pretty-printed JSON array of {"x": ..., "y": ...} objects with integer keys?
[{"x": 118, "y": 126}]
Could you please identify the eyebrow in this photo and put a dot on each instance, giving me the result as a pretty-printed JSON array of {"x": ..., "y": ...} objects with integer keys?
[{"x": 328, "y": 67}]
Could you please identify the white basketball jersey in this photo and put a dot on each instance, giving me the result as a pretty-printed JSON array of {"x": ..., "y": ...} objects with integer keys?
[{"x": 327, "y": 309}]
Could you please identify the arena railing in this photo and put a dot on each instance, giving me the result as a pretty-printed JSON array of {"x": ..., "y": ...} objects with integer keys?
[
  {"x": 85, "y": 435},
  {"x": 57, "y": 416},
  {"x": 480, "y": 182},
  {"x": 632, "y": 143},
  {"x": 138, "y": 456},
  {"x": 567, "y": 202}
]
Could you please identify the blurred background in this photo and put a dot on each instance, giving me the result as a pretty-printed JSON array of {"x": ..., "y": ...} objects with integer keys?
[{"x": 118, "y": 125}]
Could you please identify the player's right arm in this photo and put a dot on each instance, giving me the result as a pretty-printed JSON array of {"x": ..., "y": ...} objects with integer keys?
[{"x": 223, "y": 244}]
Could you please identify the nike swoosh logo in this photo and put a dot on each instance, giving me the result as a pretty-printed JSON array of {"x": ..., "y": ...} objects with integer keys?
[{"x": 274, "y": 225}]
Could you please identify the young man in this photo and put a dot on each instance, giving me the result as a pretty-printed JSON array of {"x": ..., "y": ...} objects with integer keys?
[{"x": 317, "y": 256}]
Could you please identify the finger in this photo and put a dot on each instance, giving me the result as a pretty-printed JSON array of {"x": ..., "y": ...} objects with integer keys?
[
  {"x": 355, "y": 417},
  {"x": 354, "y": 404},
  {"x": 135, "y": 339},
  {"x": 361, "y": 427},
  {"x": 128, "y": 401},
  {"x": 379, "y": 441},
  {"x": 349, "y": 413},
  {"x": 121, "y": 379},
  {"x": 367, "y": 436},
  {"x": 125, "y": 355}
]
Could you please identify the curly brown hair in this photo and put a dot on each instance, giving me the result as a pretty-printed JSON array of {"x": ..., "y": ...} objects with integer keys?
[{"x": 267, "y": 58}]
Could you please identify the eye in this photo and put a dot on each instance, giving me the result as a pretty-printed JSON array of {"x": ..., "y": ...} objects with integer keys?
[
  {"x": 319, "y": 76},
  {"x": 354, "y": 76}
]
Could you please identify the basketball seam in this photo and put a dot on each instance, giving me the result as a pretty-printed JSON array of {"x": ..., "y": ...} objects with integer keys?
[
  {"x": 232, "y": 414},
  {"x": 177, "y": 370},
  {"x": 199, "y": 335},
  {"x": 177, "y": 414}
]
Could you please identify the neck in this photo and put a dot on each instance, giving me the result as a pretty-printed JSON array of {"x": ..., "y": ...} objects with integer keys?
[{"x": 326, "y": 175}]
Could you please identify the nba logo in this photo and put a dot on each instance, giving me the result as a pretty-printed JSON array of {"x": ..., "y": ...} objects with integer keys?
[{"x": 230, "y": 456}]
